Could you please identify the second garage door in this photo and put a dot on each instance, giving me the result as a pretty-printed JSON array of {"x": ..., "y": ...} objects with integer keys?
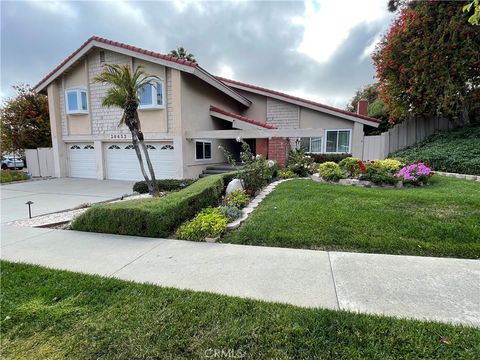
[{"x": 122, "y": 161}]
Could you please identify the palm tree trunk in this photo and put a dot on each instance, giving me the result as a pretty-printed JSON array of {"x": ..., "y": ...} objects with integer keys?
[
  {"x": 140, "y": 161},
  {"x": 147, "y": 158}
]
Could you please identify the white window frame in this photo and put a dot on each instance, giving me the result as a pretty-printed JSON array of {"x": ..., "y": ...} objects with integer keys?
[
  {"x": 310, "y": 144},
  {"x": 324, "y": 145},
  {"x": 79, "y": 110},
  {"x": 204, "y": 142},
  {"x": 154, "y": 105}
]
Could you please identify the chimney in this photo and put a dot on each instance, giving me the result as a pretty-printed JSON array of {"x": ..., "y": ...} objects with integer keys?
[{"x": 362, "y": 107}]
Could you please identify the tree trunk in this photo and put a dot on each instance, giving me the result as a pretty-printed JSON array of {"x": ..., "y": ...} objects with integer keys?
[
  {"x": 147, "y": 158},
  {"x": 140, "y": 160}
]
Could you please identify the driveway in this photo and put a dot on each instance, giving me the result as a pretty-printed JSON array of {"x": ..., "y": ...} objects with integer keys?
[{"x": 56, "y": 194}]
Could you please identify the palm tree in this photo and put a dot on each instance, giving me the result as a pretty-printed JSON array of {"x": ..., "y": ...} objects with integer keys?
[
  {"x": 181, "y": 53},
  {"x": 123, "y": 93}
]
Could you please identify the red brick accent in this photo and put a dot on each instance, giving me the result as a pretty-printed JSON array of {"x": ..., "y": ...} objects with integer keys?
[
  {"x": 261, "y": 147},
  {"x": 362, "y": 107},
  {"x": 278, "y": 150}
]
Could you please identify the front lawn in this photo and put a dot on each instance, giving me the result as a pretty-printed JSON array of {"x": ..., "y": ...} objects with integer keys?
[
  {"x": 57, "y": 314},
  {"x": 441, "y": 219}
]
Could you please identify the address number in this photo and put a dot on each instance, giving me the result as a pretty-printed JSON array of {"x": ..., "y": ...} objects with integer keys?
[{"x": 118, "y": 136}]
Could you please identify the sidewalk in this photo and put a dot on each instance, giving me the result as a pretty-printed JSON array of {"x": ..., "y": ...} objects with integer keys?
[{"x": 441, "y": 289}]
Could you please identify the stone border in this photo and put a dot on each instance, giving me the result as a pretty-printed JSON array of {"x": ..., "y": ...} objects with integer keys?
[
  {"x": 460, "y": 176},
  {"x": 256, "y": 201}
]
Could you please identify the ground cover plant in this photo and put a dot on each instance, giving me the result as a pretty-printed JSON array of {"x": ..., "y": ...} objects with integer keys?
[
  {"x": 440, "y": 219},
  {"x": 456, "y": 151},
  {"x": 209, "y": 222},
  {"x": 10, "y": 176},
  {"x": 57, "y": 314}
]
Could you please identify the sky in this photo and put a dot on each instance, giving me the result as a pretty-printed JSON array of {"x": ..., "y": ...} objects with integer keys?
[{"x": 319, "y": 50}]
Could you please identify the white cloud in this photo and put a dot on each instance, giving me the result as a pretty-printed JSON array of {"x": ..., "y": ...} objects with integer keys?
[
  {"x": 330, "y": 99},
  {"x": 182, "y": 5},
  {"x": 226, "y": 72},
  {"x": 369, "y": 49},
  {"x": 133, "y": 12},
  {"x": 328, "y": 23},
  {"x": 56, "y": 7}
]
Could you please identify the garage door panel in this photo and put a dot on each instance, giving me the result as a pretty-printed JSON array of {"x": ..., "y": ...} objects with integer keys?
[
  {"x": 82, "y": 160},
  {"x": 122, "y": 162}
]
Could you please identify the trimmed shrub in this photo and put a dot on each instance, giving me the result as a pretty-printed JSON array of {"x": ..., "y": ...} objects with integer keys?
[
  {"x": 156, "y": 217},
  {"x": 163, "y": 185},
  {"x": 9, "y": 176},
  {"x": 321, "y": 158},
  {"x": 286, "y": 174},
  {"x": 456, "y": 151},
  {"x": 231, "y": 212},
  {"x": 237, "y": 198},
  {"x": 391, "y": 165},
  {"x": 330, "y": 171},
  {"x": 208, "y": 223}
]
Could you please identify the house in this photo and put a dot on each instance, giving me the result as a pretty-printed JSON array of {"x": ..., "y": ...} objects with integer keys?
[{"x": 185, "y": 116}]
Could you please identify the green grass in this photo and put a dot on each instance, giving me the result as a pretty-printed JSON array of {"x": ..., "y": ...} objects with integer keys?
[
  {"x": 441, "y": 219},
  {"x": 62, "y": 315},
  {"x": 10, "y": 176},
  {"x": 456, "y": 151}
]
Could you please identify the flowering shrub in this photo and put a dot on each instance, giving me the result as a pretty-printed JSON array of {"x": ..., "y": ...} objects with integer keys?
[
  {"x": 299, "y": 163},
  {"x": 208, "y": 223},
  {"x": 349, "y": 164},
  {"x": 418, "y": 173},
  {"x": 286, "y": 174},
  {"x": 375, "y": 172},
  {"x": 330, "y": 171},
  {"x": 237, "y": 198},
  {"x": 391, "y": 165}
]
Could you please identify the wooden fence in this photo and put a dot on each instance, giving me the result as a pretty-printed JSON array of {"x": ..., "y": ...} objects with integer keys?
[
  {"x": 403, "y": 135},
  {"x": 40, "y": 162}
]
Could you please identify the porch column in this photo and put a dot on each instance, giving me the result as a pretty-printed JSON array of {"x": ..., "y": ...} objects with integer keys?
[
  {"x": 278, "y": 150},
  {"x": 261, "y": 147}
]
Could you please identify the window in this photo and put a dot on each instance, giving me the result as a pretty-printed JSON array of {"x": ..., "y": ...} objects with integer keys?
[
  {"x": 114, "y": 147},
  {"x": 167, "y": 147},
  {"x": 311, "y": 145},
  {"x": 338, "y": 141},
  {"x": 76, "y": 101},
  {"x": 151, "y": 96},
  {"x": 203, "y": 150}
]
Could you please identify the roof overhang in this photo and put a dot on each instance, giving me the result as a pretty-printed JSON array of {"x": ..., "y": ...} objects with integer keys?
[
  {"x": 238, "y": 121},
  {"x": 150, "y": 56},
  {"x": 304, "y": 103},
  {"x": 254, "y": 133}
]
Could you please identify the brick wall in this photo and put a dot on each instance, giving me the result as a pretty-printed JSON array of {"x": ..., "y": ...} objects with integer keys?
[
  {"x": 278, "y": 150},
  {"x": 261, "y": 147}
]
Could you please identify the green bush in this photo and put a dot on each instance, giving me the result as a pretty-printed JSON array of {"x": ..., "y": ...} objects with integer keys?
[
  {"x": 231, "y": 212},
  {"x": 300, "y": 163},
  {"x": 391, "y": 165},
  {"x": 456, "y": 151},
  {"x": 286, "y": 174},
  {"x": 156, "y": 217},
  {"x": 163, "y": 185},
  {"x": 9, "y": 176},
  {"x": 348, "y": 165},
  {"x": 321, "y": 158},
  {"x": 237, "y": 198},
  {"x": 330, "y": 171},
  {"x": 208, "y": 223},
  {"x": 378, "y": 174}
]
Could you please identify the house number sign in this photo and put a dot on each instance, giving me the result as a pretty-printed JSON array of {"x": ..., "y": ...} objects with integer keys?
[{"x": 118, "y": 136}]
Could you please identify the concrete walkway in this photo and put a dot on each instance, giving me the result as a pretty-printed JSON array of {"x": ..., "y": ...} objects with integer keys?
[{"x": 441, "y": 289}]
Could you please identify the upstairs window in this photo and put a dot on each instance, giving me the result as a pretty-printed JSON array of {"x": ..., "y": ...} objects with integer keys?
[
  {"x": 76, "y": 101},
  {"x": 151, "y": 96},
  {"x": 311, "y": 145},
  {"x": 338, "y": 141}
]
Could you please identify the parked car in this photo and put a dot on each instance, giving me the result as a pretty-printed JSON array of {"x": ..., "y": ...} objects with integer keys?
[{"x": 9, "y": 162}]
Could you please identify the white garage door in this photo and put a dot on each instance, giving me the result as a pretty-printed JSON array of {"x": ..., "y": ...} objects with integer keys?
[
  {"x": 122, "y": 161},
  {"x": 82, "y": 160}
]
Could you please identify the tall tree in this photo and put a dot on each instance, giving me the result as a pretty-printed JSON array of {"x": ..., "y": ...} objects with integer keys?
[
  {"x": 25, "y": 122},
  {"x": 428, "y": 63},
  {"x": 125, "y": 86},
  {"x": 181, "y": 53}
]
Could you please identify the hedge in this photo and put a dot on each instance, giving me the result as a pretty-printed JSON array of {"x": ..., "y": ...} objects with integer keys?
[
  {"x": 456, "y": 151},
  {"x": 163, "y": 185},
  {"x": 157, "y": 217},
  {"x": 7, "y": 176},
  {"x": 321, "y": 158}
]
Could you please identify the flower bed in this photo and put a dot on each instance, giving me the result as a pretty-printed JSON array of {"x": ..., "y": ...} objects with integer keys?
[{"x": 388, "y": 172}]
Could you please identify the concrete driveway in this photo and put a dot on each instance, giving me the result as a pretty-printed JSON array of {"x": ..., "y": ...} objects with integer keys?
[{"x": 56, "y": 194}]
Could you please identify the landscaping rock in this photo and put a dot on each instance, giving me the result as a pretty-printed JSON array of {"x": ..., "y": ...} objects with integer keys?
[
  {"x": 235, "y": 184},
  {"x": 470, "y": 177},
  {"x": 365, "y": 183},
  {"x": 399, "y": 184},
  {"x": 349, "y": 181}
]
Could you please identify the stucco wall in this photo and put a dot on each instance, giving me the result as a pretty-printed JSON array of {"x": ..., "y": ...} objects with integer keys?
[{"x": 258, "y": 109}]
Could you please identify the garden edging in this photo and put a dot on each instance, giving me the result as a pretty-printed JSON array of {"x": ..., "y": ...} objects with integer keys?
[{"x": 460, "y": 176}]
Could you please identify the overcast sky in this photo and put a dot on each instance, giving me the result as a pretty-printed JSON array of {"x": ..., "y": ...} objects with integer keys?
[{"x": 319, "y": 50}]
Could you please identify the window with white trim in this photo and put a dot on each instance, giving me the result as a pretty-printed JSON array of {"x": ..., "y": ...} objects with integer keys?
[
  {"x": 203, "y": 150},
  {"x": 76, "y": 101},
  {"x": 338, "y": 141},
  {"x": 151, "y": 96},
  {"x": 311, "y": 144}
]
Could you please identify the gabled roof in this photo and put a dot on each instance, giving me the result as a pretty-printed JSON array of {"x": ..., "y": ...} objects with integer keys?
[
  {"x": 302, "y": 102},
  {"x": 165, "y": 60},
  {"x": 227, "y": 115}
]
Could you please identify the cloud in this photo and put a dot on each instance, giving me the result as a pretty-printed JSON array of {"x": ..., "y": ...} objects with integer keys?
[
  {"x": 62, "y": 8},
  {"x": 254, "y": 42}
]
